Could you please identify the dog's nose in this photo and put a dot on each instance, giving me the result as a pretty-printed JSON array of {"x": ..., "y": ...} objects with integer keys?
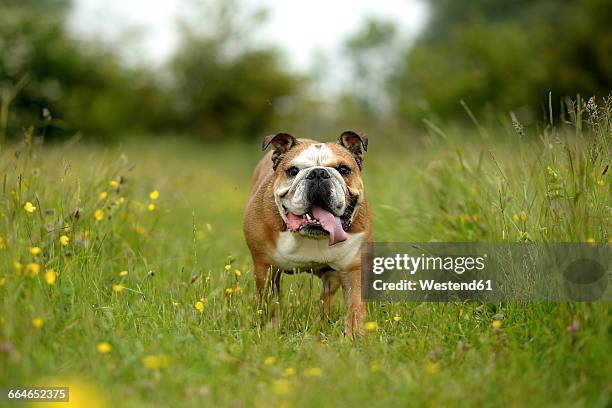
[{"x": 318, "y": 174}]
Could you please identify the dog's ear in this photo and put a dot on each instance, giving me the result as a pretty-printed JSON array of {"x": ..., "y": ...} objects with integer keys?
[
  {"x": 355, "y": 143},
  {"x": 282, "y": 143}
]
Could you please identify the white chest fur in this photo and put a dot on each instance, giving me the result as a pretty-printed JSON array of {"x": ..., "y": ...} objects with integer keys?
[{"x": 295, "y": 251}]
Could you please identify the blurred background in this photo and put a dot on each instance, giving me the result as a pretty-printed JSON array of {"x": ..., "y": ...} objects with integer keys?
[{"x": 239, "y": 69}]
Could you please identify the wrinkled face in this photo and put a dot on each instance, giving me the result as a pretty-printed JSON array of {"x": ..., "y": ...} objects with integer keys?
[{"x": 317, "y": 188}]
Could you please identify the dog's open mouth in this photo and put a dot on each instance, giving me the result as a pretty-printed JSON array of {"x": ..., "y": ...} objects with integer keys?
[{"x": 318, "y": 221}]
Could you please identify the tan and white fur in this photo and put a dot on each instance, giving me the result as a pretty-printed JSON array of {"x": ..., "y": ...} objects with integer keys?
[{"x": 294, "y": 182}]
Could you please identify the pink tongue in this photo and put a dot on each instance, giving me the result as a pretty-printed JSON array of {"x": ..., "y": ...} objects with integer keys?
[
  {"x": 295, "y": 222},
  {"x": 331, "y": 224}
]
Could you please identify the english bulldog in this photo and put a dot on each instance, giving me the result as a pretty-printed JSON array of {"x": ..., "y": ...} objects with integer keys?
[{"x": 308, "y": 212}]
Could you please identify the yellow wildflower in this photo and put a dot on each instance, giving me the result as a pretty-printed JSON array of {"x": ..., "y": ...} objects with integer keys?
[
  {"x": 123, "y": 273},
  {"x": 199, "y": 306},
  {"x": 113, "y": 183},
  {"x": 289, "y": 371},
  {"x": 32, "y": 269},
  {"x": 153, "y": 362},
  {"x": 151, "y": 207},
  {"x": 237, "y": 272},
  {"x": 37, "y": 322},
  {"x": 432, "y": 368},
  {"x": 103, "y": 347},
  {"x": 50, "y": 277},
  {"x": 260, "y": 312},
  {"x": 154, "y": 195},
  {"x": 227, "y": 267},
  {"x": 121, "y": 200},
  {"x": 374, "y": 368},
  {"x": 313, "y": 372},
  {"x": 118, "y": 288},
  {"x": 17, "y": 267},
  {"x": 29, "y": 207},
  {"x": 600, "y": 182},
  {"x": 270, "y": 360},
  {"x": 282, "y": 387},
  {"x": 103, "y": 195},
  {"x": 590, "y": 240},
  {"x": 64, "y": 240},
  {"x": 371, "y": 326},
  {"x": 496, "y": 324},
  {"x": 515, "y": 217},
  {"x": 34, "y": 250},
  {"x": 2, "y": 281},
  {"x": 98, "y": 215},
  {"x": 229, "y": 291},
  {"x": 397, "y": 318}
]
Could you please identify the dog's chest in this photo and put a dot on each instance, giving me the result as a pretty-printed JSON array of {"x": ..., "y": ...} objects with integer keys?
[{"x": 295, "y": 251}]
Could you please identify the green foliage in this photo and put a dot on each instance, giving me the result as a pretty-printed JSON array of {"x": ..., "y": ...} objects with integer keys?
[
  {"x": 166, "y": 352},
  {"x": 507, "y": 55},
  {"x": 214, "y": 86}
]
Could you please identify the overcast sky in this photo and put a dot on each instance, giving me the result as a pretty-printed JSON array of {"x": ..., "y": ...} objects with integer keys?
[{"x": 303, "y": 29}]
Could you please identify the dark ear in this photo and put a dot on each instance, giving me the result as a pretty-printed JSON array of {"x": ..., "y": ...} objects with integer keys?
[
  {"x": 355, "y": 143},
  {"x": 281, "y": 142}
]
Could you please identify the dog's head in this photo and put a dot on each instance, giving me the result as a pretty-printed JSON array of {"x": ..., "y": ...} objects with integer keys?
[{"x": 318, "y": 186}]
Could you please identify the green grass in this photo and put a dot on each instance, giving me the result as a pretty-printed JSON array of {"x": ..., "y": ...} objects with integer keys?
[{"x": 547, "y": 187}]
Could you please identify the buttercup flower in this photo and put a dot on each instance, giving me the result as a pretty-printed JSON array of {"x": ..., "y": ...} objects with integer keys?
[
  {"x": 118, "y": 288},
  {"x": 313, "y": 372},
  {"x": 64, "y": 240},
  {"x": 29, "y": 207},
  {"x": 237, "y": 272},
  {"x": 50, "y": 277},
  {"x": 227, "y": 267},
  {"x": 374, "y": 368},
  {"x": 2, "y": 281},
  {"x": 32, "y": 269},
  {"x": 34, "y": 250},
  {"x": 496, "y": 324},
  {"x": 282, "y": 387},
  {"x": 37, "y": 322},
  {"x": 103, "y": 195},
  {"x": 155, "y": 362},
  {"x": 590, "y": 240},
  {"x": 98, "y": 215},
  {"x": 371, "y": 326},
  {"x": 270, "y": 360},
  {"x": 432, "y": 368},
  {"x": 289, "y": 371},
  {"x": 199, "y": 306},
  {"x": 151, "y": 207},
  {"x": 397, "y": 318},
  {"x": 113, "y": 183},
  {"x": 154, "y": 195},
  {"x": 123, "y": 273},
  {"x": 103, "y": 347}
]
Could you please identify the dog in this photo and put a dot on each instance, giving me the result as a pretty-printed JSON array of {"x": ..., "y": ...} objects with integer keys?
[{"x": 308, "y": 212}]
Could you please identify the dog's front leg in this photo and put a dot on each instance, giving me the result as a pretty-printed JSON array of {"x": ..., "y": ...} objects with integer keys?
[
  {"x": 356, "y": 308},
  {"x": 330, "y": 282},
  {"x": 267, "y": 280}
]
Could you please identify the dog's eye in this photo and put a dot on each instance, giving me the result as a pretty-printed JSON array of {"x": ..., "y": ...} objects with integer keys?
[
  {"x": 344, "y": 170},
  {"x": 292, "y": 171}
]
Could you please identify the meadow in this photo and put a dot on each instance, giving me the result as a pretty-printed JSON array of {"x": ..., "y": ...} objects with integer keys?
[{"x": 124, "y": 275}]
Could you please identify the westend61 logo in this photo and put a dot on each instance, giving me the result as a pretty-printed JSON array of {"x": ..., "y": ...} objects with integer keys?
[{"x": 441, "y": 272}]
